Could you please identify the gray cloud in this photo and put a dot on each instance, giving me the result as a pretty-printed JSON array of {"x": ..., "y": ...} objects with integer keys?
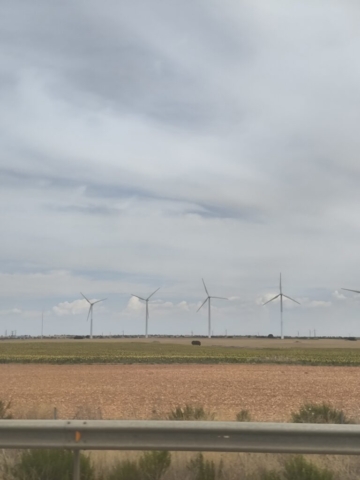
[{"x": 151, "y": 143}]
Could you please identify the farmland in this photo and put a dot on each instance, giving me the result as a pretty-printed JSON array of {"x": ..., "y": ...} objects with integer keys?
[
  {"x": 269, "y": 392},
  {"x": 178, "y": 352}
]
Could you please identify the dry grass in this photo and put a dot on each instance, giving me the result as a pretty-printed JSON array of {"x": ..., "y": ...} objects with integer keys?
[{"x": 236, "y": 466}]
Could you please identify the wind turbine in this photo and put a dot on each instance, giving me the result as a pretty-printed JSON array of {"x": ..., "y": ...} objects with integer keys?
[
  {"x": 208, "y": 299},
  {"x": 90, "y": 314},
  {"x": 146, "y": 300},
  {"x": 281, "y": 295}
]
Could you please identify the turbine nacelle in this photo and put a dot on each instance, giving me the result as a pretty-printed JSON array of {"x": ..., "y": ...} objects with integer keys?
[
  {"x": 91, "y": 303},
  {"x": 146, "y": 300},
  {"x": 281, "y": 295},
  {"x": 208, "y": 299}
]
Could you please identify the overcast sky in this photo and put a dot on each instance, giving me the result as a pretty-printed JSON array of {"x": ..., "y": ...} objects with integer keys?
[{"x": 148, "y": 144}]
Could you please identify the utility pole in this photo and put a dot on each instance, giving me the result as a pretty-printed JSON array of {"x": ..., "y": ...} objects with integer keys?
[{"x": 42, "y": 324}]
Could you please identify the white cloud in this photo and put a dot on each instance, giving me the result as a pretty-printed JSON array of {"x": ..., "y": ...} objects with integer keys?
[
  {"x": 319, "y": 304},
  {"x": 71, "y": 308},
  {"x": 183, "y": 306},
  {"x": 12, "y": 311},
  {"x": 338, "y": 295}
]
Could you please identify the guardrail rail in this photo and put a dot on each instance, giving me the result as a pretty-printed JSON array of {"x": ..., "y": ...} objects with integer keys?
[{"x": 77, "y": 435}]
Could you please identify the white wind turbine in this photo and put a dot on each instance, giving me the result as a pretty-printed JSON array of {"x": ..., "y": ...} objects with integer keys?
[
  {"x": 208, "y": 299},
  {"x": 90, "y": 314},
  {"x": 146, "y": 300},
  {"x": 281, "y": 295}
]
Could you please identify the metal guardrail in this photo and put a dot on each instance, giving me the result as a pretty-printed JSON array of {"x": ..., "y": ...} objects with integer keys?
[{"x": 179, "y": 436}]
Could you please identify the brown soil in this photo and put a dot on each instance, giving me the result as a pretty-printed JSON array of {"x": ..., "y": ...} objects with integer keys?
[{"x": 269, "y": 392}]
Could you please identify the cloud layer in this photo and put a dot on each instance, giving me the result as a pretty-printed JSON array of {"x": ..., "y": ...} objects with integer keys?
[{"x": 151, "y": 144}]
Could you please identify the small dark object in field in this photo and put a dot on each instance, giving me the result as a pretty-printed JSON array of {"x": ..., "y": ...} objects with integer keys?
[{"x": 196, "y": 342}]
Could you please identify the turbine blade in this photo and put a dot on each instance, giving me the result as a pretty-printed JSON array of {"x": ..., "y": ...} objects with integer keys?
[
  {"x": 206, "y": 290},
  {"x": 220, "y": 298},
  {"x": 348, "y": 289},
  {"x": 153, "y": 293},
  {"x": 272, "y": 299},
  {"x": 206, "y": 299},
  {"x": 138, "y": 297},
  {"x": 97, "y": 301},
  {"x": 89, "y": 313},
  {"x": 86, "y": 298},
  {"x": 291, "y": 299}
]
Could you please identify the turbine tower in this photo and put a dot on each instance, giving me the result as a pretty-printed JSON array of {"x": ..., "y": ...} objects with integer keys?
[
  {"x": 208, "y": 299},
  {"x": 90, "y": 314},
  {"x": 281, "y": 295},
  {"x": 146, "y": 300}
]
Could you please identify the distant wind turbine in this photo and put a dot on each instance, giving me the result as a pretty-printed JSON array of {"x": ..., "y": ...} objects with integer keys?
[
  {"x": 90, "y": 314},
  {"x": 208, "y": 299},
  {"x": 281, "y": 295},
  {"x": 146, "y": 300}
]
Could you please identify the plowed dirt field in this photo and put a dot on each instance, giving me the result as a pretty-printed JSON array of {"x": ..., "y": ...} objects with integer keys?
[{"x": 269, "y": 392}]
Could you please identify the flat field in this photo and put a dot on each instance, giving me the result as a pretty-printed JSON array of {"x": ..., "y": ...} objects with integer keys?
[
  {"x": 138, "y": 378},
  {"x": 180, "y": 351},
  {"x": 269, "y": 392}
]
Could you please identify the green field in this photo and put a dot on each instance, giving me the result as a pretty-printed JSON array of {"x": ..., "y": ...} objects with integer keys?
[{"x": 78, "y": 352}]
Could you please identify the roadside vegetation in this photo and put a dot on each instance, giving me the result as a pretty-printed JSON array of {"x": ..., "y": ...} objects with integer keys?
[
  {"x": 319, "y": 413},
  {"x": 58, "y": 465},
  {"x": 97, "y": 352},
  {"x": 163, "y": 465},
  {"x": 188, "y": 412}
]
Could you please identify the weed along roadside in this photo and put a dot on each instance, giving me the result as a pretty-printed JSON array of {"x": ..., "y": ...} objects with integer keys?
[{"x": 58, "y": 464}]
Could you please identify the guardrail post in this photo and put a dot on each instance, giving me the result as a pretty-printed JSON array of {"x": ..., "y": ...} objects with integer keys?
[{"x": 76, "y": 471}]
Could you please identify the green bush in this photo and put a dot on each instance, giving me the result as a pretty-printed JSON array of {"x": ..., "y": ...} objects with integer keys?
[
  {"x": 190, "y": 413},
  {"x": 315, "y": 413},
  {"x": 204, "y": 469},
  {"x": 153, "y": 465},
  {"x": 50, "y": 465},
  {"x": 125, "y": 470},
  {"x": 243, "y": 416},
  {"x": 4, "y": 410},
  {"x": 298, "y": 468}
]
